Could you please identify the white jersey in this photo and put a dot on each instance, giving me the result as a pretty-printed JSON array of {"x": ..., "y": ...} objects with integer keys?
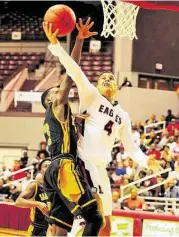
[
  {"x": 105, "y": 123},
  {"x": 100, "y": 130}
]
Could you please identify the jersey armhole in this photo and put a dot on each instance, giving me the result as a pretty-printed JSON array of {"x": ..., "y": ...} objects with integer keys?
[{"x": 36, "y": 189}]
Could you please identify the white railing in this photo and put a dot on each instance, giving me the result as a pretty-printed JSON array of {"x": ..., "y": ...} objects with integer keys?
[
  {"x": 31, "y": 168},
  {"x": 155, "y": 125},
  {"x": 167, "y": 203},
  {"x": 144, "y": 179}
]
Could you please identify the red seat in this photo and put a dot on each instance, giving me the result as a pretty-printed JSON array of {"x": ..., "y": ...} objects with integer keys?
[
  {"x": 86, "y": 68},
  {"x": 85, "y": 63},
  {"x": 25, "y": 57},
  {"x": 13, "y": 62},
  {"x": 96, "y": 63},
  {"x": 16, "y": 57},
  {"x": 12, "y": 66}
]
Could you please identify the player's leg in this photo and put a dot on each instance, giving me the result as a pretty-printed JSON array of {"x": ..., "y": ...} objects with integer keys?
[
  {"x": 106, "y": 227},
  {"x": 58, "y": 231},
  {"x": 106, "y": 230},
  {"x": 93, "y": 221},
  {"x": 60, "y": 218},
  {"x": 49, "y": 231},
  {"x": 100, "y": 181},
  {"x": 89, "y": 212}
]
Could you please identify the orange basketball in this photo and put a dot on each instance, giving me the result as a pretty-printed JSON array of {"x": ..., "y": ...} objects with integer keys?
[{"x": 62, "y": 17}]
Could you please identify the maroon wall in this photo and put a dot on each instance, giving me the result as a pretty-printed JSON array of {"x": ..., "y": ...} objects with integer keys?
[{"x": 158, "y": 42}]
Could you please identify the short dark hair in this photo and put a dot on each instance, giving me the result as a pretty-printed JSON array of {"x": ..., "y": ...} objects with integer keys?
[
  {"x": 41, "y": 163},
  {"x": 44, "y": 96}
]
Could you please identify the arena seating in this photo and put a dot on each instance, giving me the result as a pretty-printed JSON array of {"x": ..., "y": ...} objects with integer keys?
[
  {"x": 30, "y": 26},
  {"x": 10, "y": 62}
]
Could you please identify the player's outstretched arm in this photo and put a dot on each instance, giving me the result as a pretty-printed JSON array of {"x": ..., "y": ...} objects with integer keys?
[
  {"x": 24, "y": 201},
  {"x": 83, "y": 33},
  {"x": 132, "y": 149},
  {"x": 72, "y": 68}
]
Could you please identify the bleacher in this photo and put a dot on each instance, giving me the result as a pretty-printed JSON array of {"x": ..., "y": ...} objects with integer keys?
[
  {"x": 29, "y": 26},
  {"x": 12, "y": 61}
]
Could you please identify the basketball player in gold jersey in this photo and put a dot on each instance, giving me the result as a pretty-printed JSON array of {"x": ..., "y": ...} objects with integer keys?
[
  {"x": 36, "y": 199},
  {"x": 66, "y": 188}
]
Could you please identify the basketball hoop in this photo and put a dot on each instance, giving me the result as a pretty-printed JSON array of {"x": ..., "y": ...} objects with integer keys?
[{"x": 120, "y": 15}]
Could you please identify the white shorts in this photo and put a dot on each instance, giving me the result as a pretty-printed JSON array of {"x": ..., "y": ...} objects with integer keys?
[{"x": 101, "y": 185}]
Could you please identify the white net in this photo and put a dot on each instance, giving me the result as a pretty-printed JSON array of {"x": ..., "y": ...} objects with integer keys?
[{"x": 119, "y": 19}]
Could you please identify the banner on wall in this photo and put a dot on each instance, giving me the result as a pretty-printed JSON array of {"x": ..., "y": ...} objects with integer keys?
[
  {"x": 16, "y": 35},
  {"x": 121, "y": 226},
  {"x": 31, "y": 96},
  {"x": 156, "y": 228}
]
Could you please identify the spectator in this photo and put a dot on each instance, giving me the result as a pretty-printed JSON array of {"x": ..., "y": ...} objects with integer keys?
[
  {"x": 26, "y": 181},
  {"x": 154, "y": 151},
  {"x": 14, "y": 193},
  {"x": 6, "y": 172},
  {"x": 172, "y": 191},
  {"x": 126, "y": 83},
  {"x": 151, "y": 138},
  {"x": 155, "y": 167},
  {"x": 169, "y": 116},
  {"x": 24, "y": 159},
  {"x": 4, "y": 191},
  {"x": 171, "y": 141},
  {"x": 139, "y": 126},
  {"x": 166, "y": 154},
  {"x": 115, "y": 199},
  {"x": 120, "y": 169},
  {"x": 162, "y": 118},
  {"x": 117, "y": 175},
  {"x": 43, "y": 149},
  {"x": 164, "y": 140},
  {"x": 175, "y": 148},
  {"x": 130, "y": 170},
  {"x": 16, "y": 168},
  {"x": 151, "y": 120},
  {"x": 135, "y": 202},
  {"x": 174, "y": 174},
  {"x": 122, "y": 155},
  {"x": 172, "y": 127}
]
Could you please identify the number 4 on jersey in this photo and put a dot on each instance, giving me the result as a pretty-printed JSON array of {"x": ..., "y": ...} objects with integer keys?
[{"x": 108, "y": 127}]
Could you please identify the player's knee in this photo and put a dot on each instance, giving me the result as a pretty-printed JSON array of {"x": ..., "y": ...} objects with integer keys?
[{"x": 93, "y": 216}]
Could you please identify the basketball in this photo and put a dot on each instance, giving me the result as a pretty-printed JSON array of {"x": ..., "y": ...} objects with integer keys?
[{"x": 62, "y": 17}]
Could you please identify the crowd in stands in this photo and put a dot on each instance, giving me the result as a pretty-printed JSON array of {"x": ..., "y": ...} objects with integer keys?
[
  {"x": 162, "y": 147},
  {"x": 12, "y": 185}
]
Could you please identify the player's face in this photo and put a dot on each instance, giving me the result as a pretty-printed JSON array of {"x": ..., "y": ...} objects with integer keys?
[
  {"x": 51, "y": 95},
  {"x": 44, "y": 167},
  {"x": 133, "y": 194},
  {"x": 107, "y": 84}
]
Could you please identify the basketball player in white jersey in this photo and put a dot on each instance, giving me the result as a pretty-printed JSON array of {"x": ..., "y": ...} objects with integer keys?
[{"x": 106, "y": 122}]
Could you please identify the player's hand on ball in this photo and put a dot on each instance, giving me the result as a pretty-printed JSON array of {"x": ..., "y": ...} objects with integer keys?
[
  {"x": 52, "y": 37},
  {"x": 84, "y": 29},
  {"x": 43, "y": 208}
]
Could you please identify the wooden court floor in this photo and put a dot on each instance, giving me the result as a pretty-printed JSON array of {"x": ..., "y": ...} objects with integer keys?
[{"x": 8, "y": 232}]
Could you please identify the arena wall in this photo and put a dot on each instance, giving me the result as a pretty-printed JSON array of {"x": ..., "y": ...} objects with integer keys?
[{"x": 141, "y": 103}]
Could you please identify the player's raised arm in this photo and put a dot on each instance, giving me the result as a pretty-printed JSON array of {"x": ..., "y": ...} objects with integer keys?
[
  {"x": 72, "y": 68},
  {"x": 24, "y": 199},
  {"x": 132, "y": 149}
]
